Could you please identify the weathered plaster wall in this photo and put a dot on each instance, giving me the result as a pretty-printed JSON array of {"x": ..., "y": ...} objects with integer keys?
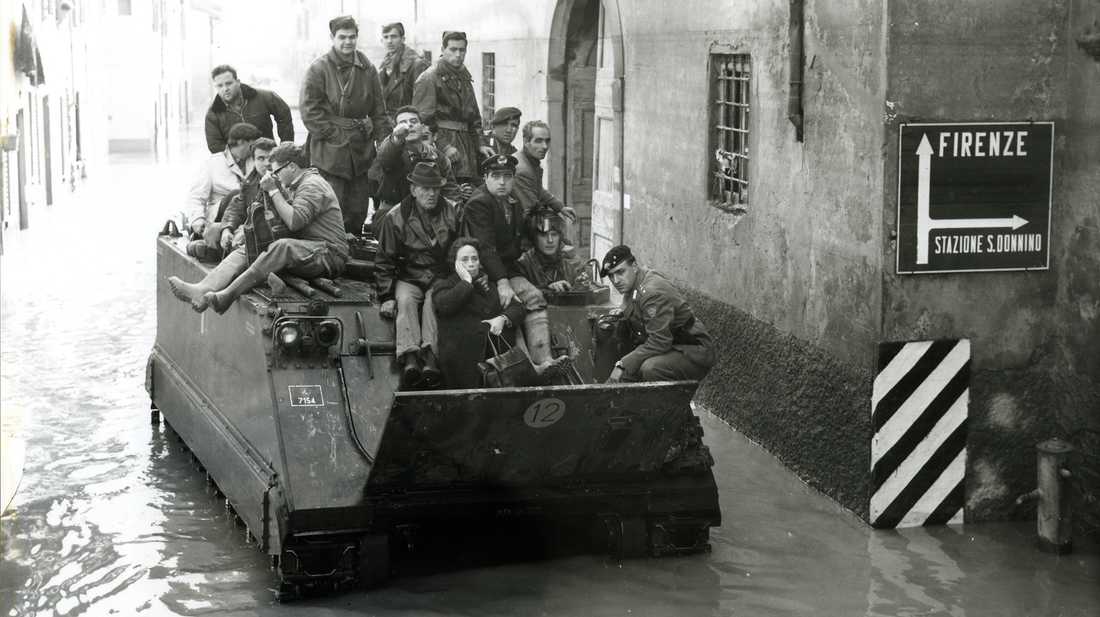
[
  {"x": 791, "y": 289},
  {"x": 1035, "y": 335}
]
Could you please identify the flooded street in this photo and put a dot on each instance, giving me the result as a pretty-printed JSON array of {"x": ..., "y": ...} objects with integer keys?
[{"x": 111, "y": 517}]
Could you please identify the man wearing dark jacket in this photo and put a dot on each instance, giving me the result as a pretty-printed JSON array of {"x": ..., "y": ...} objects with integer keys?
[
  {"x": 444, "y": 94},
  {"x": 400, "y": 67},
  {"x": 495, "y": 217},
  {"x": 412, "y": 251},
  {"x": 237, "y": 102},
  {"x": 343, "y": 108}
]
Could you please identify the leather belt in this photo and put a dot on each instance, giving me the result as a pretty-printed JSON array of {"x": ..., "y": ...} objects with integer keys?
[{"x": 451, "y": 125}]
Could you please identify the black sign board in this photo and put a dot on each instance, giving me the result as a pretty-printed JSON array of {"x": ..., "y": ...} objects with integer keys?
[{"x": 974, "y": 197}]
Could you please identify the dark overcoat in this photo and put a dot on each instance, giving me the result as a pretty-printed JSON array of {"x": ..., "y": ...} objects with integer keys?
[{"x": 460, "y": 308}]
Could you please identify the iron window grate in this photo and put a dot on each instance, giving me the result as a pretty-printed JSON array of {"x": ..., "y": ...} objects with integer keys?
[
  {"x": 488, "y": 86},
  {"x": 729, "y": 167}
]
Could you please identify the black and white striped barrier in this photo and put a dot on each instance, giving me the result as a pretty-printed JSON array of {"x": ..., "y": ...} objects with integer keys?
[{"x": 918, "y": 450}]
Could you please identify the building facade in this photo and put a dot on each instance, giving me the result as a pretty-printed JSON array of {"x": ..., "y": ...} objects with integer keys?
[{"x": 751, "y": 151}]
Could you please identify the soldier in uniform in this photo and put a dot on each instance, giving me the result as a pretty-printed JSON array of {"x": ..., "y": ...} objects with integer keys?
[
  {"x": 400, "y": 68},
  {"x": 674, "y": 344},
  {"x": 343, "y": 108},
  {"x": 444, "y": 94},
  {"x": 545, "y": 264},
  {"x": 505, "y": 125}
]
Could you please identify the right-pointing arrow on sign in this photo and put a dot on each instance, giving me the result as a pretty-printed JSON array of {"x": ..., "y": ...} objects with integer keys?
[{"x": 925, "y": 223}]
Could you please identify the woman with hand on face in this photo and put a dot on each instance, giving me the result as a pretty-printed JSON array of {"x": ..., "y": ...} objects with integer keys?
[{"x": 467, "y": 307}]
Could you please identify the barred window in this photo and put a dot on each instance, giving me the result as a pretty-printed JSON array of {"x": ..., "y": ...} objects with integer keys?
[
  {"x": 488, "y": 86},
  {"x": 729, "y": 130}
]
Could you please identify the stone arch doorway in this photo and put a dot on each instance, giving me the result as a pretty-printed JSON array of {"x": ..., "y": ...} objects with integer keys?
[{"x": 584, "y": 97}]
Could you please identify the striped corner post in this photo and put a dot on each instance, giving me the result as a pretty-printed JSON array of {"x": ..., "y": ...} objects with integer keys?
[{"x": 918, "y": 449}]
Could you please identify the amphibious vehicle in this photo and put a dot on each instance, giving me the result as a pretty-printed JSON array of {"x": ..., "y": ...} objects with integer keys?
[{"x": 290, "y": 402}]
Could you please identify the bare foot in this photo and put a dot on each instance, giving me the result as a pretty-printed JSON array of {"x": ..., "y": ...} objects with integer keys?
[
  {"x": 187, "y": 292},
  {"x": 202, "y": 302}
]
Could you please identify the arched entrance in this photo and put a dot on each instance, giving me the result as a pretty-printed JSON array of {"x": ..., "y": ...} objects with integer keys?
[{"x": 584, "y": 95}]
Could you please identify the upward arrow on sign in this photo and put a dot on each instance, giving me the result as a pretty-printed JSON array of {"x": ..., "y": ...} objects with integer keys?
[{"x": 925, "y": 223}]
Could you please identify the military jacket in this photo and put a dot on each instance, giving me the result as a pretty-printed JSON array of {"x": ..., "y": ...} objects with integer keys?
[{"x": 658, "y": 310}]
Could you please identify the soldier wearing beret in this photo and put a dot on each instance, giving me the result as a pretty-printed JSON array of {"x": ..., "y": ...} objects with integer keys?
[
  {"x": 505, "y": 125},
  {"x": 444, "y": 94},
  {"x": 496, "y": 218},
  {"x": 675, "y": 344},
  {"x": 343, "y": 108}
]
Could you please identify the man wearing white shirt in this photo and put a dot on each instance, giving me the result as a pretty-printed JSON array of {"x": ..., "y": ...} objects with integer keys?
[{"x": 218, "y": 176}]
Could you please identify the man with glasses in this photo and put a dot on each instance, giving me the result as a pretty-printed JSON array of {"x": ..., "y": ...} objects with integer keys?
[
  {"x": 495, "y": 216},
  {"x": 343, "y": 108},
  {"x": 306, "y": 204}
]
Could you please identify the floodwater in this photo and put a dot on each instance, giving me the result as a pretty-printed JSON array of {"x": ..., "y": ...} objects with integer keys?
[{"x": 111, "y": 518}]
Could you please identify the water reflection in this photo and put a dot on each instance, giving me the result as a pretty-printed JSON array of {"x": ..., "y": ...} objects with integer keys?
[{"x": 112, "y": 514}]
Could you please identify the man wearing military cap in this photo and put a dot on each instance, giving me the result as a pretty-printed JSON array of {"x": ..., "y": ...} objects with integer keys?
[
  {"x": 675, "y": 344},
  {"x": 412, "y": 254},
  {"x": 444, "y": 94},
  {"x": 505, "y": 125},
  {"x": 343, "y": 108},
  {"x": 496, "y": 218}
]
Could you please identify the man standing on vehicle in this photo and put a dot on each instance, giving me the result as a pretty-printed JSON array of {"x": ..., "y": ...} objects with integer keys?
[
  {"x": 529, "y": 189},
  {"x": 674, "y": 344},
  {"x": 343, "y": 108},
  {"x": 317, "y": 247},
  {"x": 444, "y": 94},
  {"x": 400, "y": 68},
  {"x": 236, "y": 102}
]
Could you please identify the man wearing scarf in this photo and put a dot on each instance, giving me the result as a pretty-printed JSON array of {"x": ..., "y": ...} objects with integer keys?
[
  {"x": 400, "y": 68},
  {"x": 343, "y": 108},
  {"x": 444, "y": 95}
]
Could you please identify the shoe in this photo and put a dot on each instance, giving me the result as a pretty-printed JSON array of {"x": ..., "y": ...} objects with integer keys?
[
  {"x": 410, "y": 371},
  {"x": 431, "y": 373}
]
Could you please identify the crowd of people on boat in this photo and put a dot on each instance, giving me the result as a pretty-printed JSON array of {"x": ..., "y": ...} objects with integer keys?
[{"x": 469, "y": 242}]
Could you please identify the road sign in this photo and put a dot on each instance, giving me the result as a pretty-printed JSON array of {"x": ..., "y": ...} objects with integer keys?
[{"x": 974, "y": 197}]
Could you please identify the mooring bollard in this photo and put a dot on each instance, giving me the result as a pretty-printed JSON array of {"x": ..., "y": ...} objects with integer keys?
[{"x": 1055, "y": 511}]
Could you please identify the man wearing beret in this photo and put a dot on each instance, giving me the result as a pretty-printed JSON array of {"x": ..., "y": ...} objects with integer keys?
[
  {"x": 444, "y": 94},
  {"x": 496, "y": 218},
  {"x": 675, "y": 344},
  {"x": 343, "y": 108},
  {"x": 412, "y": 250},
  {"x": 400, "y": 68},
  {"x": 505, "y": 125}
]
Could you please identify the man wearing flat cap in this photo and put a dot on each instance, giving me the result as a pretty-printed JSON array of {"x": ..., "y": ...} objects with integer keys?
[
  {"x": 505, "y": 125},
  {"x": 675, "y": 345},
  {"x": 444, "y": 94},
  {"x": 343, "y": 108},
  {"x": 496, "y": 218},
  {"x": 412, "y": 254}
]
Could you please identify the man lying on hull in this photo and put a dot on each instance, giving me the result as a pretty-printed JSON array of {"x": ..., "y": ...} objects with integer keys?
[{"x": 307, "y": 205}]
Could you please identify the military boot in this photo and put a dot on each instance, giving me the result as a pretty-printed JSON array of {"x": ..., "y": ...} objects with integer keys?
[{"x": 431, "y": 373}]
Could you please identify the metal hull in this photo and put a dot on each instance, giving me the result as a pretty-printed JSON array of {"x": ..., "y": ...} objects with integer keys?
[{"x": 335, "y": 473}]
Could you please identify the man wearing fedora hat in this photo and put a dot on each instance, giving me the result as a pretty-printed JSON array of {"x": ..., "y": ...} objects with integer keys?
[
  {"x": 343, "y": 107},
  {"x": 412, "y": 254},
  {"x": 674, "y": 344}
]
